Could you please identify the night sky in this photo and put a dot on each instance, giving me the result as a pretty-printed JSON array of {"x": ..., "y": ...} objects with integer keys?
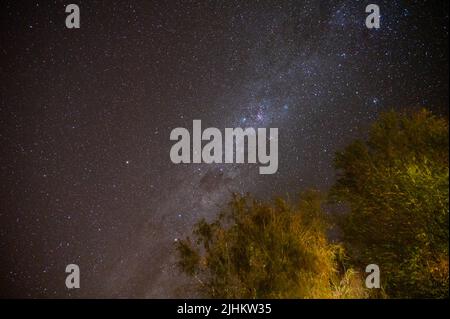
[{"x": 86, "y": 116}]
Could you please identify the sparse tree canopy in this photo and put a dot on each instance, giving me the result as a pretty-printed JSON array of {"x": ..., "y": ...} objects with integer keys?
[
  {"x": 396, "y": 186},
  {"x": 268, "y": 250}
]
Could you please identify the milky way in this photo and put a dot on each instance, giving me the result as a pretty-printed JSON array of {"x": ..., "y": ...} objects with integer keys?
[{"x": 86, "y": 176}]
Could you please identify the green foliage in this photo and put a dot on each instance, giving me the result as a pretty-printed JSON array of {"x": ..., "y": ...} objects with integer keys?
[
  {"x": 396, "y": 186},
  {"x": 268, "y": 250}
]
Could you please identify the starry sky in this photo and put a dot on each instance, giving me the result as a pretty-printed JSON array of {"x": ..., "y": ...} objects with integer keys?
[{"x": 86, "y": 116}]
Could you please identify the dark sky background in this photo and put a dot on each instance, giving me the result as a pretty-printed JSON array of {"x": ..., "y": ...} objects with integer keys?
[{"x": 86, "y": 114}]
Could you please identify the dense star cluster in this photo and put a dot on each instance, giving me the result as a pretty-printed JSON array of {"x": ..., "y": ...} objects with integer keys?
[{"x": 86, "y": 116}]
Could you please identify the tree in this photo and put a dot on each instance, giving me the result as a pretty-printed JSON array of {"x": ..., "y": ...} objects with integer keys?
[
  {"x": 258, "y": 249},
  {"x": 396, "y": 187}
]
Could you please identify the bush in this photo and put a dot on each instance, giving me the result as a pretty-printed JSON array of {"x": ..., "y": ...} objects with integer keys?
[
  {"x": 396, "y": 187},
  {"x": 268, "y": 250}
]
